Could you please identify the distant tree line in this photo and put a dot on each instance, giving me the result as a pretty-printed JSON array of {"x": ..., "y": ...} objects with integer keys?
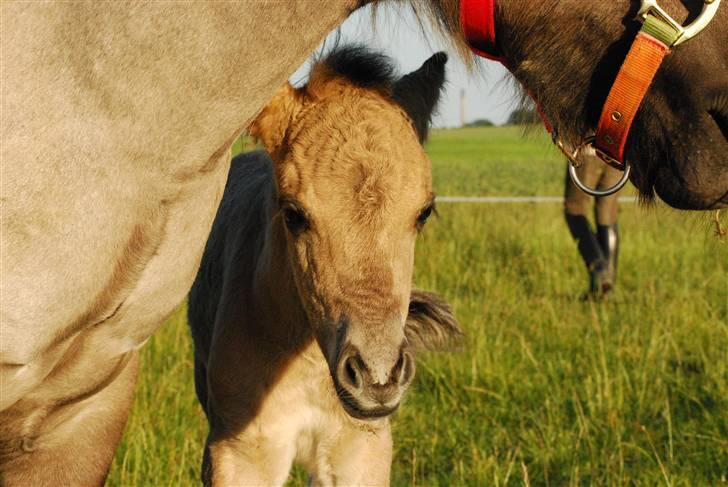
[
  {"x": 524, "y": 116},
  {"x": 519, "y": 116},
  {"x": 480, "y": 122}
]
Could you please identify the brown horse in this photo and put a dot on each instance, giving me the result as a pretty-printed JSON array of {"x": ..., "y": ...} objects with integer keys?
[
  {"x": 567, "y": 54},
  {"x": 116, "y": 125},
  {"x": 302, "y": 315}
]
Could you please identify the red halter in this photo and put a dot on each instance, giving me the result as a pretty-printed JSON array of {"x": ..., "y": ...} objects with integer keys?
[{"x": 477, "y": 18}]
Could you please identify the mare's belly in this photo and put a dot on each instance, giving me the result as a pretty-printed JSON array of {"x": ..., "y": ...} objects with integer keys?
[{"x": 155, "y": 275}]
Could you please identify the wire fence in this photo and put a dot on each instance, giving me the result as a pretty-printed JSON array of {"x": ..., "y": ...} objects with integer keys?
[{"x": 515, "y": 199}]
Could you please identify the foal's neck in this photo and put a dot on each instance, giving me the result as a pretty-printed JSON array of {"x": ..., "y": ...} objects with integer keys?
[{"x": 280, "y": 306}]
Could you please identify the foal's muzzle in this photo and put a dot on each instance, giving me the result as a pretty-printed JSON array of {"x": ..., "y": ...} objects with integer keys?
[{"x": 364, "y": 397}]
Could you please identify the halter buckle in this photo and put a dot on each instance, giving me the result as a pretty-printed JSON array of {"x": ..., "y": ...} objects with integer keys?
[{"x": 710, "y": 7}]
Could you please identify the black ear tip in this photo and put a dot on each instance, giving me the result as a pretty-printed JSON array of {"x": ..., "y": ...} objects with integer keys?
[{"x": 438, "y": 58}]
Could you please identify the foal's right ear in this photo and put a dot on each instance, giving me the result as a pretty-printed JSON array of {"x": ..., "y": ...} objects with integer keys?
[
  {"x": 431, "y": 324},
  {"x": 271, "y": 124}
]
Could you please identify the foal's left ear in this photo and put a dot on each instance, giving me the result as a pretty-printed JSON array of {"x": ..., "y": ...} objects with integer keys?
[
  {"x": 431, "y": 324},
  {"x": 419, "y": 91},
  {"x": 271, "y": 124}
]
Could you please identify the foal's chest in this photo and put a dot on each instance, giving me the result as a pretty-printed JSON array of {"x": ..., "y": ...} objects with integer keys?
[{"x": 303, "y": 410}]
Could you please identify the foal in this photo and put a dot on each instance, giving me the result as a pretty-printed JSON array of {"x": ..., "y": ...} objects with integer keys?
[{"x": 302, "y": 312}]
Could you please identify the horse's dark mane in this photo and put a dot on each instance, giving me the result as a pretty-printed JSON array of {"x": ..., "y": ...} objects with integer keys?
[{"x": 443, "y": 15}]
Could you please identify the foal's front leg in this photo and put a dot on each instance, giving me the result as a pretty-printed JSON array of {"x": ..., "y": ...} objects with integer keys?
[
  {"x": 356, "y": 458},
  {"x": 248, "y": 459}
]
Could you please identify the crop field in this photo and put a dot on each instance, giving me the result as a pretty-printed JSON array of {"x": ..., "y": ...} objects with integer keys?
[{"x": 548, "y": 389}]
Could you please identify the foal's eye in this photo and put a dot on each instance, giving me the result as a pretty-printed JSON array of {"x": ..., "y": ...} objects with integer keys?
[
  {"x": 295, "y": 219},
  {"x": 424, "y": 215}
]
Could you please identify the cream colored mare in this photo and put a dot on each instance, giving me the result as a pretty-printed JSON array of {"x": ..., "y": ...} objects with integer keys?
[{"x": 116, "y": 127}]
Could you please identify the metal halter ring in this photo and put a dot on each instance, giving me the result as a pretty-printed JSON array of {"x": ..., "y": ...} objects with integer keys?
[
  {"x": 596, "y": 192},
  {"x": 574, "y": 163}
]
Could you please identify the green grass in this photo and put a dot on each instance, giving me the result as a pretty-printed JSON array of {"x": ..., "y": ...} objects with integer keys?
[
  {"x": 497, "y": 161},
  {"x": 549, "y": 390}
]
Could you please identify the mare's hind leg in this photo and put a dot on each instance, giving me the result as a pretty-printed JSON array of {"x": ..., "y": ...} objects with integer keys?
[
  {"x": 79, "y": 439},
  {"x": 356, "y": 458}
]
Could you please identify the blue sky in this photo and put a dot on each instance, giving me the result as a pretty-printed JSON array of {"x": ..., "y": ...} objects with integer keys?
[{"x": 488, "y": 93}]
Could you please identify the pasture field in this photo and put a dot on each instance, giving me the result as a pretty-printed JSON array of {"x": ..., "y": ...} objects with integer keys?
[{"x": 548, "y": 389}]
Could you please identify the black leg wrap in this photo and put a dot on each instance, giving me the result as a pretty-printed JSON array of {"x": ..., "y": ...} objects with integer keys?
[
  {"x": 608, "y": 237},
  {"x": 589, "y": 247}
]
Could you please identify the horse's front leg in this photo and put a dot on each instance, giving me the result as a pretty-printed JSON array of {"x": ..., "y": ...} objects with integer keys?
[
  {"x": 73, "y": 443},
  {"x": 248, "y": 458}
]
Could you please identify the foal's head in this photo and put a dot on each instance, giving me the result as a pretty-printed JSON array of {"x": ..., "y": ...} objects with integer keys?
[{"x": 354, "y": 189}]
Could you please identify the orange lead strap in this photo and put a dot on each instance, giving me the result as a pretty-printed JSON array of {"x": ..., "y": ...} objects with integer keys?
[
  {"x": 625, "y": 97},
  {"x": 633, "y": 81}
]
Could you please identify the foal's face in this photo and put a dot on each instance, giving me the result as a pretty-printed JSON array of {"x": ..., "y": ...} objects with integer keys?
[{"x": 354, "y": 190}]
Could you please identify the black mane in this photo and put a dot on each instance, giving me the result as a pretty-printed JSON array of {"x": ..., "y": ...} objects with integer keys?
[
  {"x": 417, "y": 92},
  {"x": 362, "y": 66}
]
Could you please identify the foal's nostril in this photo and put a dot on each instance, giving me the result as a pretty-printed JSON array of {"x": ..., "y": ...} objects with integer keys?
[
  {"x": 400, "y": 362},
  {"x": 404, "y": 370},
  {"x": 351, "y": 374},
  {"x": 397, "y": 370}
]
